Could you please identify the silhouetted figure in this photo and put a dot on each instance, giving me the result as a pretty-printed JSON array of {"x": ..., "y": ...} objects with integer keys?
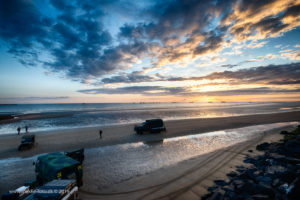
[
  {"x": 26, "y": 129},
  {"x": 19, "y": 130},
  {"x": 100, "y": 134}
]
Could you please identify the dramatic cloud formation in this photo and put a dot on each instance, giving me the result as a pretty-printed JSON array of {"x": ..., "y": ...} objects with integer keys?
[
  {"x": 75, "y": 39},
  {"x": 147, "y": 90},
  {"x": 76, "y": 42},
  {"x": 271, "y": 74},
  {"x": 117, "y": 45},
  {"x": 278, "y": 75}
]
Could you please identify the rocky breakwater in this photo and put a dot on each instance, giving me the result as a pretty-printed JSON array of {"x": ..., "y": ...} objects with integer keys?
[{"x": 273, "y": 175}]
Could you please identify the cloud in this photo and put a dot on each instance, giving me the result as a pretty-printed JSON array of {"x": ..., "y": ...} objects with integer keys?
[
  {"x": 75, "y": 40},
  {"x": 183, "y": 91},
  {"x": 146, "y": 90},
  {"x": 134, "y": 77},
  {"x": 34, "y": 98},
  {"x": 247, "y": 91},
  {"x": 285, "y": 74},
  {"x": 70, "y": 37},
  {"x": 271, "y": 74},
  {"x": 291, "y": 54},
  {"x": 261, "y": 19},
  {"x": 254, "y": 45}
]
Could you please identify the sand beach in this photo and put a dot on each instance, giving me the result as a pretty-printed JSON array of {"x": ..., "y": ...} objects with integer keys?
[{"x": 161, "y": 181}]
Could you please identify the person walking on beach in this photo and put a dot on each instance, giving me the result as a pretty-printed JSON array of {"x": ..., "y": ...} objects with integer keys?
[
  {"x": 19, "y": 130},
  {"x": 100, "y": 134},
  {"x": 26, "y": 129}
]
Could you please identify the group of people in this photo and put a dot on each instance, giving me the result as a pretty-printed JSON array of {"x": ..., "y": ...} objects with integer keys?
[{"x": 19, "y": 129}]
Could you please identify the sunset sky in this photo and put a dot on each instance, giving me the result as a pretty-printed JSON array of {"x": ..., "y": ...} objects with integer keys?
[{"x": 54, "y": 51}]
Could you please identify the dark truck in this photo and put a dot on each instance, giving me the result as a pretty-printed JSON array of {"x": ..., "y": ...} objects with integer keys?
[
  {"x": 58, "y": 176},
  {"x": 27, "y": 142},
  {"x": 58, "y": 166},
  {"x": 151, "y": 125},
  {"x": 54, "y": 190}
]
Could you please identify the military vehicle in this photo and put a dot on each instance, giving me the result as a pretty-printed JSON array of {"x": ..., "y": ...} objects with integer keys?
[
  {"x": 27, "y": 142},
  {"x": 152, "y": 126},
  {"x": 57, "y": 166},
  {"x": 54, "y": 190}
]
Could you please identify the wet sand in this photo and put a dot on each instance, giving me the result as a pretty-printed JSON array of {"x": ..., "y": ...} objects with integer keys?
[
  {"x": 64, "y": 140},
  {"x": 186, "y": 179},
  {"x": 189, "y": 179}
]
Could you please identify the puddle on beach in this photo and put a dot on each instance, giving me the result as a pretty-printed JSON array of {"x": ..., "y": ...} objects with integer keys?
[{"x": 114, "y": 164}]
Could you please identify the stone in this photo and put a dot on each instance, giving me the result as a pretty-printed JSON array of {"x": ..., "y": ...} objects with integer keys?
[
  {"x": 295, "y": 191},
  {"x": 277, "y": 169},
  {"x": 292, "y": 146},
  {"x": 277, "y": 156},
  {"x": 264, "y": 180},
  {"x": 283, "y": 188},
  {"x": 262, "y": 147},
  {"x": 275, "y": 182},
  {"x": 217, "y": 195},
  {"x": 293, "y": 160},
  {"x": 284, "y": 133},
  {"x": 250, "y": 160},
  {"x": 220, "y": 182},
  {"x": 232, "y": 174},
  {"x": 260, "y": 197},
  {"x": 212, "y": 188}
]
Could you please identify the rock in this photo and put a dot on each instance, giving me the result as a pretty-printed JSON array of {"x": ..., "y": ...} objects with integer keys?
[
  {"x": 230, "y": 194},
  {"x": 238, "y": 184},
  {"x": 252, "y": 173},
  {"x": 217, "y": 195},
  {"x": 277, "y": 169},
  {"x": 260, "y": 197},
  {"x": 284, "y": 133},
  {"x": 262, "y": 188},
  {"x": 220, "y": 182},
  {"x": 292, "y": 160},
  {"x": 283, "y": 188},
  {"x": 232, "y": 174},
  {"x": 288, "y": 176},
  {"x": 262, "y": 147},
  {"x": 292, "y": 146},
  {"x": 228, "y": 187},
  {"x": 264, "y": 180},
  {"x": 275, "y": 182},
  {"x": 277, "y": 156},
  {"x": 250, "y": 160},
  {"x": 250, "y": 151},
  {"x": 295, "y": 191},
  {"x": 270, "y": 161},
  {"x": 212, "y": 188}
]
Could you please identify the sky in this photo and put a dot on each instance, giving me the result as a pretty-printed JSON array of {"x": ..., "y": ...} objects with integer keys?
[{"x": 93, "y": 51}]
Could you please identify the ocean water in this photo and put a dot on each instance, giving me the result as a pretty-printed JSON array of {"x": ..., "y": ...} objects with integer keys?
[{"x": 103, "y": 114}]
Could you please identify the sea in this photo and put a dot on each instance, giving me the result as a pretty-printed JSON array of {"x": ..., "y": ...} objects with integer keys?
[{"x": 80, "y": 115}]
